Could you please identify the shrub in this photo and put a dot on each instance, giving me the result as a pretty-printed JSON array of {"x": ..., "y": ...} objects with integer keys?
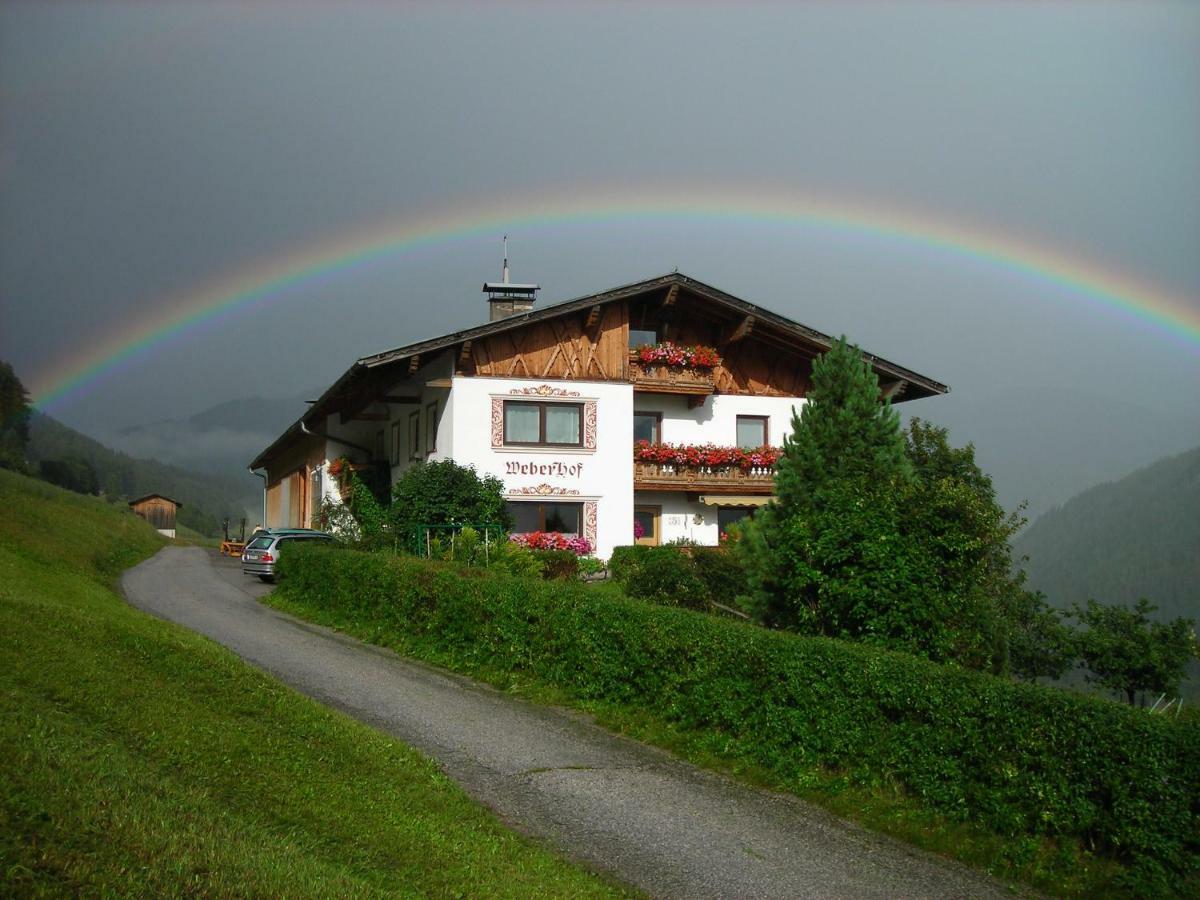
[
  {"x": 720, "y": 570},
  {"x": 558, "y": 565},
  {"x": 625, "y": 559},
  {"x": 667, "y": 575},
  {"x": 1015, "y": 758},
  {"x": 445, "y": 493}
]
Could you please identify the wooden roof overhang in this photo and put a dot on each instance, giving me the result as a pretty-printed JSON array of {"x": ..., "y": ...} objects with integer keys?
[{"x": 371, "y": 376}]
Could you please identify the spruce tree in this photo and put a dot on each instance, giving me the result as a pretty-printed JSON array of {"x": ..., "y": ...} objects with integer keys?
[{"x": 825, "y": 557}]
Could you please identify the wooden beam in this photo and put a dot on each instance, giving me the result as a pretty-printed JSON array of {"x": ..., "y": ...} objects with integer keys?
[
  {"x": 895, "y": 389},
  {"x": 414, "y": 364},
  {"x": 743, "y": 328},
  {"x": 672, "y": 296},
  {"x": 593, "y": 316},
  {"x": 438, "y": 383},
  {"x": 464, "y": 354}
]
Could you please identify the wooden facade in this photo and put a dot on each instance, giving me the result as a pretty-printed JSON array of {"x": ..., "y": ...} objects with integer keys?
[
  {"x": 158, "y": 510},
  {"x": 290, "y": 496},
  {"x": 592, "y": 344}
]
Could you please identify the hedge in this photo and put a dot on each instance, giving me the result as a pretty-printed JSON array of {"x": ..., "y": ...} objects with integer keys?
[{"x": 1016, "y": 758}]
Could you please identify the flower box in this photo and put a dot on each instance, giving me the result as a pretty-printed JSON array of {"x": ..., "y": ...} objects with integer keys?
[
  {"x": 704, "y": 467},
  {"x": 670, "y": 369}
]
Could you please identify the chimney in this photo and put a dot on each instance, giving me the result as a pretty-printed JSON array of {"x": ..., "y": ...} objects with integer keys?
[{"x": 505, "y": 298}]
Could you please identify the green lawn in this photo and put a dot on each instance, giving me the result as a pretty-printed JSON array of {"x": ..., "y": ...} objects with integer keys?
[{"x": 142, "y": 759}]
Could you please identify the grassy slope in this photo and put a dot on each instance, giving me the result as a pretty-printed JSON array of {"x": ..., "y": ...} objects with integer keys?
[{"x": 142, "y": 759}]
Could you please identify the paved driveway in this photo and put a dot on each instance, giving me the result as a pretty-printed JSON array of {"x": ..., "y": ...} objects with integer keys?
[{"x": 653, "y": 821}]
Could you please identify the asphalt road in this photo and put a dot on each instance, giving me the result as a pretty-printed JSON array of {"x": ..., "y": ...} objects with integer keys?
[{"x": 652, "y": 821}]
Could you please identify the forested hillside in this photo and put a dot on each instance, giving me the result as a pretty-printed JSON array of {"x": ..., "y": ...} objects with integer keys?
[
  {"x": 1136, "y": 537},
  {"x": 206, "y": 498}
]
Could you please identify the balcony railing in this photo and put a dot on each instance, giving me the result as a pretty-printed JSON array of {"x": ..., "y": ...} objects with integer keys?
[
  {"x": 728, "y": 480},
  {"x": 661, "y": 378}
]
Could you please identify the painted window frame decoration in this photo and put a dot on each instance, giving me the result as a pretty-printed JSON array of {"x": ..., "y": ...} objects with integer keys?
[
  {"x": 396, "y": 443},
  {"x": 431, "y": 427},
  {"x": 545, "y": 393},
  {"x": 414, "y": 435}
]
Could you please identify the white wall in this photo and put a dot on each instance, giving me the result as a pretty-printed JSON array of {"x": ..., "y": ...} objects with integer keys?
[
  {"x": 603, "y": 475},
  {"x": 715, "y": 422},
  {"x": 679, "y": 517}
]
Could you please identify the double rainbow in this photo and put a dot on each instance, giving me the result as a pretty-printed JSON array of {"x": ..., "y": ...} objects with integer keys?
[{"x": 174, "y": 318}]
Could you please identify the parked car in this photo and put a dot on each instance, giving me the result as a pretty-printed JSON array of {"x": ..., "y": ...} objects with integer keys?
[{"x": 263, "y": 551}]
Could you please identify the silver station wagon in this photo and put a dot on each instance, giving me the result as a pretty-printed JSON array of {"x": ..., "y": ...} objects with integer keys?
[{"x": 263, "y": 551}]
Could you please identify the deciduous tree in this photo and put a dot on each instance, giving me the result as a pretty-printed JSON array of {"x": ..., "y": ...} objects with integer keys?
[{"x": 1128, "y": 653}]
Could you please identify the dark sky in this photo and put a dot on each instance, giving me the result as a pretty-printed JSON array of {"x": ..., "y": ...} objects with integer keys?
[{"x": 147, "y": 150}]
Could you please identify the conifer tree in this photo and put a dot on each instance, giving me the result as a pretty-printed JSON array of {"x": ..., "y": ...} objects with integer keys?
[{"x": 824, "y": 557}]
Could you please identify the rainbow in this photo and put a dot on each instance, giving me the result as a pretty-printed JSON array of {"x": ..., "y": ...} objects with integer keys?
[{"x": 268, "y": 280}]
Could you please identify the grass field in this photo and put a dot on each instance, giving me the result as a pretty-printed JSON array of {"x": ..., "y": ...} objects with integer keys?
[{"x": 141, "y": 759}]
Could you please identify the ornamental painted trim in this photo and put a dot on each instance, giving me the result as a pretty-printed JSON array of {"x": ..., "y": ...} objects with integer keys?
[
  {"x": 589, "y": 425},
  {"x": 543, "y": 490},
  {"x": 544, "y": 390},
  {"x": 589, "y": 522},
  {"x": 497, "y": 422},
  {"x": 589, "y": 418}
]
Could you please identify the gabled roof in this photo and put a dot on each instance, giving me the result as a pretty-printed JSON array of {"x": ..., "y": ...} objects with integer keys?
[
  {"x": 152, "y": 496},
  {"x": 919, "y": 385}
]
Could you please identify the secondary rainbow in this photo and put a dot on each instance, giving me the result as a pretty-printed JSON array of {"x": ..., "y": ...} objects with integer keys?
[{"x": 270, "y": 279}]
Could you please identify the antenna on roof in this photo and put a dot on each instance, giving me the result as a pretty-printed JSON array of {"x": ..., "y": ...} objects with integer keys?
[{"x": 505, "y": 270}]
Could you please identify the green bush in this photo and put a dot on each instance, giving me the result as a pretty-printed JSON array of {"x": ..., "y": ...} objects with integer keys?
[
  {"x": 625, "y": 559},
  {"x": 667, "y": 575},
  {"x": 720, "y": 570},
  {"x": 1016, "y": 758},
  {"x": 558, "y": 565}
]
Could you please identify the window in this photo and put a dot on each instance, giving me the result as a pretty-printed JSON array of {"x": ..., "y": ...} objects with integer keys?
[
  {"x": 752, "y": 431},
  {"x": 414, "y": 435},
  {"x": 639, "y": 337},
  {"x": 647, "y": 426},
  {"x": 728, "y": 515},
  {"x": 564, "y": 517},
  {"x": 648, "y": 518},
  {"x": 543, "y": 424},
  {"x": 431, "y": 427},
  {"x": 396, "y": 443}
]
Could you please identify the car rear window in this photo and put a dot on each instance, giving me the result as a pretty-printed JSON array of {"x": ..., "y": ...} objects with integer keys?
[{"x": 261, "y": 543}]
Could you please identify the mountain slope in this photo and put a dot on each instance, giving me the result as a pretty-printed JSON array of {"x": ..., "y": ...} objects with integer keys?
[
  {"x": 1136, "y": 537},
  {"x": 206, "y": 498},
  {"x": 222, "y": 438}
]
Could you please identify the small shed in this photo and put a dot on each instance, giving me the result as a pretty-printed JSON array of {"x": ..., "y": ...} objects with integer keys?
[{"x": 158, "y": 510}]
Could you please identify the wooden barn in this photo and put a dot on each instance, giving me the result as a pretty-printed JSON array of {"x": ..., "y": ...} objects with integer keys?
[{"x": 158, "y": 510}]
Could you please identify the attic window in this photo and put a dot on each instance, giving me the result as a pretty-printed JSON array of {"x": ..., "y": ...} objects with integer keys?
[{"x": 640, "y": 337}]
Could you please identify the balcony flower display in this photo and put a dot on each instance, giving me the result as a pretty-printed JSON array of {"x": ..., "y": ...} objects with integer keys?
[
  {"x": 677, "y": 356},
  {"x": 706, "y": 456},
  {"x": 553, "y": 540}
]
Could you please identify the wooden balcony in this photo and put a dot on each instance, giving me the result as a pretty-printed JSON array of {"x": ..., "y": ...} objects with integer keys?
[
  {"x": 657, "y": 378},
  {"x": 663, "y": 477}
]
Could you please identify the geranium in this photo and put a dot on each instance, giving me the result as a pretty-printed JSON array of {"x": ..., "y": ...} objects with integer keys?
[
  {"x": 706, "y": 456},
  {"x": 638, "y": 530},
  {"x": 553, "y": 540},
  {"x": 675, "y": 355}
]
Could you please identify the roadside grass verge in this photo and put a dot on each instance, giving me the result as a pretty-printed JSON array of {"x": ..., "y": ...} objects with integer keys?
[
  {"x": 141, "y": 759},
  {"x": 1068, "y": 794}
]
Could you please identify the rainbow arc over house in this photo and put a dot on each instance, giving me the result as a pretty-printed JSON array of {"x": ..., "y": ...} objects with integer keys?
[{"x": 1074, "y": 280}]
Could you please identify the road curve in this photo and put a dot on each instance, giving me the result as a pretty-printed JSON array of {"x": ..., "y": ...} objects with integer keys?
[{"x": 652, "y": 821}]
